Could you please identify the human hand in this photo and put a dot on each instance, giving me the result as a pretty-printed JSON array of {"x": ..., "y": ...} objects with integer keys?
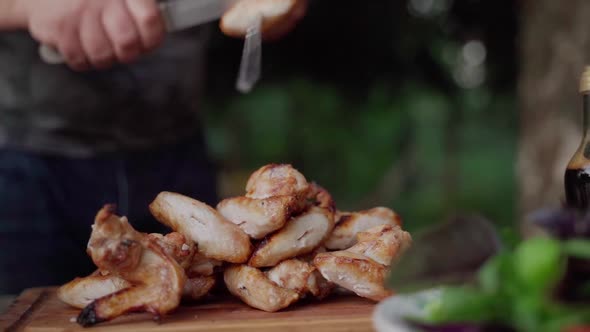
[{"x": 96, "y": 33}]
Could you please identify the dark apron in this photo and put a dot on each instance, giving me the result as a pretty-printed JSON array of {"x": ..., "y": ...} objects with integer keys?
[{"x": 71, "y": 142}]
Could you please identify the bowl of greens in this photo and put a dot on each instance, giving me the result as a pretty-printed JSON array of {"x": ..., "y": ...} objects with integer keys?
[{"x": 540, "y": 284}]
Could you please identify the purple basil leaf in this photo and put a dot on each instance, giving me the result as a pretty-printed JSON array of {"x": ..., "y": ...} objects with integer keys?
[{"x": 564, "y": 223}]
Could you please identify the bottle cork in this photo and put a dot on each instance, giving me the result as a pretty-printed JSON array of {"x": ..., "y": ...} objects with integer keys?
[{"x": 585, "y": 81}]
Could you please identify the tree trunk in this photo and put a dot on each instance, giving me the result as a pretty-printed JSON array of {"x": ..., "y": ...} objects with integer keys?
[{"x": 555, "y": 47}]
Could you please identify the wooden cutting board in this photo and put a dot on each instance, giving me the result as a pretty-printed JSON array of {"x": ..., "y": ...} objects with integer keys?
[{"x": 39, "y": 310}]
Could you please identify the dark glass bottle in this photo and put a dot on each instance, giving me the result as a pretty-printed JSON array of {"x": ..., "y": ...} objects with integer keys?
[{"x": 577, "y": 174}]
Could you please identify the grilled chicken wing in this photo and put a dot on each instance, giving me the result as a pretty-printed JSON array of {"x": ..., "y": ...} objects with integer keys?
[
  {"x": 348, "y": 225},
  {"x": 319, "y": 286},
  {"x": 382, "y": 243},
  {"x": 362, "y": 268},
  {"x": 255, "y": 289},
  {"x": 176, "y": 246},
  {"x": 274, "y": 194},
  {"x": 301, "y": 277},
  {"x": 157, "y": 279},
  {"x": 216, "y": 237},
  {"x": 300, "y": 236},
  {"x": 80, "y": 292},
  {"x": 202, "y": 266},
  {"x": 292, "y": 274},
  {"x": 198, "y": 268},
  {"x": 338, "y": 216},
  {"x": 198, "y": 287},
  {"x": 259, "y": 217},
  {"x": 320, "y": 197},
  {"x": 354, "y": 272},
  {"x": 310, "y": 256},
  {"x": 276, "y": 180}
]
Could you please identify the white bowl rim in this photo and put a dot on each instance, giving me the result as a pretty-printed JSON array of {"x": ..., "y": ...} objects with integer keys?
[{"x": 390, "y": 314}]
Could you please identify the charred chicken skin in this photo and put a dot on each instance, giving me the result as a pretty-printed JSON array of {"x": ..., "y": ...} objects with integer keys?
[
  {"x": 158, "y": 280},
  {"x": 362, "y": 268},
  {"x": 80, "y": 292},
  {"x": 349, "y": 224},
  {"x": 276, "y": 180},
  {"x": 254, "y": 288}
]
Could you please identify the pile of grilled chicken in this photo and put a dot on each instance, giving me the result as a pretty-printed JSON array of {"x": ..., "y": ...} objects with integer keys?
[{"x": 282, "y": 241}]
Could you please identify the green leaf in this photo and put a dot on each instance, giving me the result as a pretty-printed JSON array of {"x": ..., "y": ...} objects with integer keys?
[
  {"x": 577, "y": 248},
  {"x": 539, "y": 263},
  {"x": 464, "y": 304},
  {"x": 564, "y": 318},
  {"x": 492, "y": 276},
  {"x": 526, "y": 313}
]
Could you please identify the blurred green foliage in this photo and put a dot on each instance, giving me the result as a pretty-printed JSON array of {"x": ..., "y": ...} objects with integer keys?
[
  {"x": 380, "y": 116},
  {"x": 518, "y": 288}
]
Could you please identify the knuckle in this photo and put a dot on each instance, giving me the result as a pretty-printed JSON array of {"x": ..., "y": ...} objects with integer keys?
[
  {"x": 124, "y": 36},
  {"x": 46, "y": 31},
  {"x": 61, "y": 25},
  {"x": 123, "y": 28},
  {"x": 100, "y": 56},
  {"x": 72, "y": 57},
  {"x": 129, "y": 44},
  {"x": 71, "y": 52},
  {"x": 149, "y": 18},
  {"x": 127, "y": 52}
]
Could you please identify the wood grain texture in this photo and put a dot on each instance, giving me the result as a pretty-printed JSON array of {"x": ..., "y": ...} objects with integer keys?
[{"x": 39, "y": 310}]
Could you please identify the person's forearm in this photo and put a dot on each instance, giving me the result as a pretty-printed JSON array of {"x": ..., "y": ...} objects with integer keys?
[{"x": 12, "y": 14}]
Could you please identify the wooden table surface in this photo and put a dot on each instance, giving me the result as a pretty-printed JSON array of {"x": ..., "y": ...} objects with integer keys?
[{"x": 39, "y": 310}]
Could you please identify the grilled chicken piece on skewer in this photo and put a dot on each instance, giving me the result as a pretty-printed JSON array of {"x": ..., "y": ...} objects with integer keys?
[
  {"x": 277, "y": 17},
  {"x": 348, "y": 225},
  {"x": 158, "y": 281},
  {"x": 216, "y": 237},
  {"x": 362, "y": 268}
]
